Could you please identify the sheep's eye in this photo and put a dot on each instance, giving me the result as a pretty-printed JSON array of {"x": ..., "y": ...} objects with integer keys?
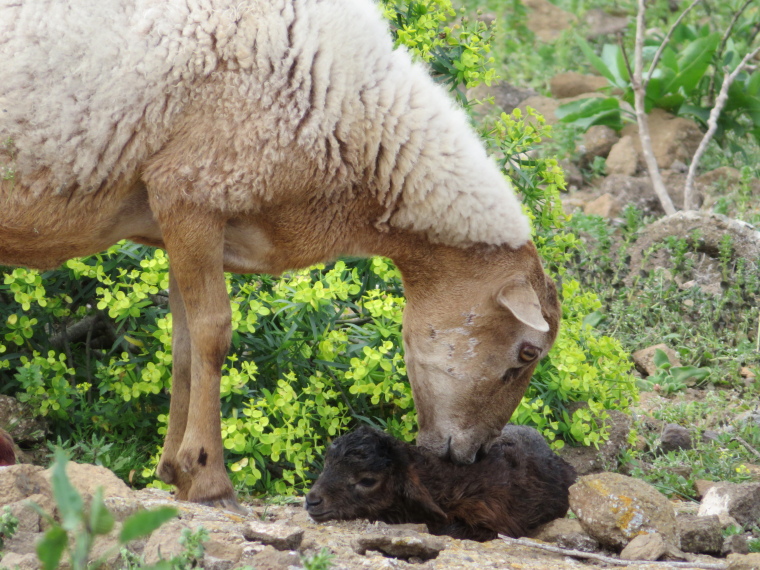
[
  {"x": 367, "y": 482},
  {"x": 528, "y": 353}
]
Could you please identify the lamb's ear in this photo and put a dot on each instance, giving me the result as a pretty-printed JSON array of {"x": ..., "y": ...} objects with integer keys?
[
  {"x": 418, "y": 494},
  {"x": 519, "y": 297}
]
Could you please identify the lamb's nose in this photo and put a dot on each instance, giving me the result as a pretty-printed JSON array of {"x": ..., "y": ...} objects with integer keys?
[{"x": 312, "y": 500}]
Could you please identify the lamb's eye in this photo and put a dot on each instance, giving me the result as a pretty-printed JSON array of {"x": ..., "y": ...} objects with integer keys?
[
  {"x": 367, "y": 482},
  {"x": 528, "y": 353}
]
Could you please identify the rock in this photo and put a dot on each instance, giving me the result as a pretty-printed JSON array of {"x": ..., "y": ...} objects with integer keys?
[
  {"x": 221, "y": 555},
  {"x": 675, "y": 437},
  {"x": 648, "y": 546},
  {"x": 505, "y": 96},
  {"x": 571, "y": 83},
  {"x": 23, "y": 425},
  {"x": 614, "y": 509},
  {"x": 567, "y": 533},
  {"x": 605, "y": 206},
  {"x": 700, "y": 535},
  {"x": 702, "y": 486},
  {"x": 738, "y": 500},
  {"x": 23, "y": 542},
  {"x": 623, "y": 158},
  {"x": 29, "y": 519},
  {"x": 634, "y": 190},
  {"x": 673, "y": 138},
  {"x": 88, "y": 478},
  {"x": 165, "y": 543},
  {"x": 600, "y": 23},
  {"x": 546, "y": 106},
  {"x": 589, "y": 459},
  {"x": 546, "y": 20},
  {"x": 401, "y": 544},
  {"x": 573, "y": 176},
  {"x": 724, "y": 177},
  {"x": 644, "y": 358},
  {"x": 597, "y": 141},
  {"x": 20, "y": 561},
  {"x": 272, "y": 559},
  {"x": 734, "y": 544},
  {"x": 17, "y": 482},
  {"x": 281, "y": 536},
  {"x": 744, "y": 561}
]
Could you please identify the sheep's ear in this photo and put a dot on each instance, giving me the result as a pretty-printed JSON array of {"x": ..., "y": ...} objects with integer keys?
[
  {"x": 519, "y": 297},
  {"x": 418, "y": 494}
]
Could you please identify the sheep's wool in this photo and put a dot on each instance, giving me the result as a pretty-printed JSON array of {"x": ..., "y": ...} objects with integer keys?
[{"x": 90, "y": 90}]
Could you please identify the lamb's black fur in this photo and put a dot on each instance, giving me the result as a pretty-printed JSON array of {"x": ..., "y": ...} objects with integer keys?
[{"x": 518, "y": 485}]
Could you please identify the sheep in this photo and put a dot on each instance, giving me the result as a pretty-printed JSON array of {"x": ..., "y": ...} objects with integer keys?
[
  {"x": 518, "y": 485},
  {"x": 7, "y": 451},
  {"x": 258, "y": 136}
]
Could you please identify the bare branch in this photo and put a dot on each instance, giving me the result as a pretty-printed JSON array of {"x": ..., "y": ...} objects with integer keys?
[
  {"x": 712, "y": 126},
  {"x": 639, "y": 92},
  {"x": 665, "y": 40},
  {"x": 747, "y": 445},
  {"x": 722, "y": 46}
]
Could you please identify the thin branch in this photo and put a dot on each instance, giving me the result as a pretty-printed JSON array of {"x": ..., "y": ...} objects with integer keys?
[
  {"x": 607, "y": 559},
  {"x": 747, "y": 445},
  {"x": 722, "y": 46},
  {"x": 621, "y": 45},
  {"x": 665, "y": 41},
  {"x": 712, "y": 126},
  {"x": 639, "y": 92}
]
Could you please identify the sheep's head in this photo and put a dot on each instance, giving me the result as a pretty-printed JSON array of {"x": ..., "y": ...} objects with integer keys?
[
  {"x": 7, "y": 454},
  {"x": 477, "y": 322},
  {"x": 367, "y": 475}
]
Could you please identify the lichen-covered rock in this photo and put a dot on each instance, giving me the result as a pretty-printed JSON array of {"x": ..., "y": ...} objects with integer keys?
[
  {"x": 281, "y": 536},
  {"x": 567, "y": 533},
  {"x": 645, "y": 547},
  {"x": 744, "y": 561},
  {"x": 614, "y": 509},
  {"x": 17, "y": 482}
]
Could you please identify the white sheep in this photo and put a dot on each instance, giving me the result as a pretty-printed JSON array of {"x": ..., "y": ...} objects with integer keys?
[{"x": 260, "y": 136}]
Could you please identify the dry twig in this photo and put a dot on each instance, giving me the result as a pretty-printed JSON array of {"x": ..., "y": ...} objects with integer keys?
[
  {"x": 712, "y": 126},
  {"x": 607, "y": 559}
]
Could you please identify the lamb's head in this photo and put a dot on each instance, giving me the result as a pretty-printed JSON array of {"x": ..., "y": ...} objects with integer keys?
[
  {"x": 367, "y": 475},
  {"x": 7, "y": 453},
  {"x": 475, "y": 328}
]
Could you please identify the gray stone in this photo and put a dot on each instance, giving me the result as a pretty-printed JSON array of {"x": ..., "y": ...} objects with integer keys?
[
  {"x": 567, "y": 533},
  {"x": 648, "y": 546},
  {"x": 734, "y": 544},
  {"x": 605, "y": 206},
  {"x": 269, "y": 558},
  {"x": 164, "y": 543},
  {"x": 614, "y": 509},
  {"x": 19, "y": 421},
  {"x": 589, "y": 459},
  {"x": 600, "y": 23},
  {"x": 281, "y": 536},
  {"x": 738, "y": 500},
  {"x": 700, "y": 535},
  {"x": 546, "y": 20},
  {"x": 675, "y": 437},
  {"x": 221, "y": 555},
  {"x": 673, "y": 138},
  {"x": 401, "y": 544}
]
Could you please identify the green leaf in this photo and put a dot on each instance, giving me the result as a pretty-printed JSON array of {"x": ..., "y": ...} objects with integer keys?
[
  {"x": 661, "y": 359},
  {"x": 693, "y": 63},
  {"x": 592, "y": 111},
  {"x": 101, "y": 520},
  {"x": 50, "y": 548},
  {"x": 68, "y": 499},
  {"x": 684, "y": 373},
  {"x": 613, "y": 58},
  {"x": 595, "y": 60},
  {"x": 145, "y": 522}
]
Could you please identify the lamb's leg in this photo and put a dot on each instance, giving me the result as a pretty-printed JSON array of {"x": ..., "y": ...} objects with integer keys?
[
  {"x": 168, "y": 469},
  {"x": 194, "y": 240}
]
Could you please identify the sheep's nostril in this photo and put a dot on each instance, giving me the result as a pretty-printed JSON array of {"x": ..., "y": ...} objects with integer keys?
[{"x": 312, "y": 501}]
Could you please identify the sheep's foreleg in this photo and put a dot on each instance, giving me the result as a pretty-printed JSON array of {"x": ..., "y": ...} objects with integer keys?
[
  {"x": 194, "y": 240},
  {"x": 168, "y": 470}
]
